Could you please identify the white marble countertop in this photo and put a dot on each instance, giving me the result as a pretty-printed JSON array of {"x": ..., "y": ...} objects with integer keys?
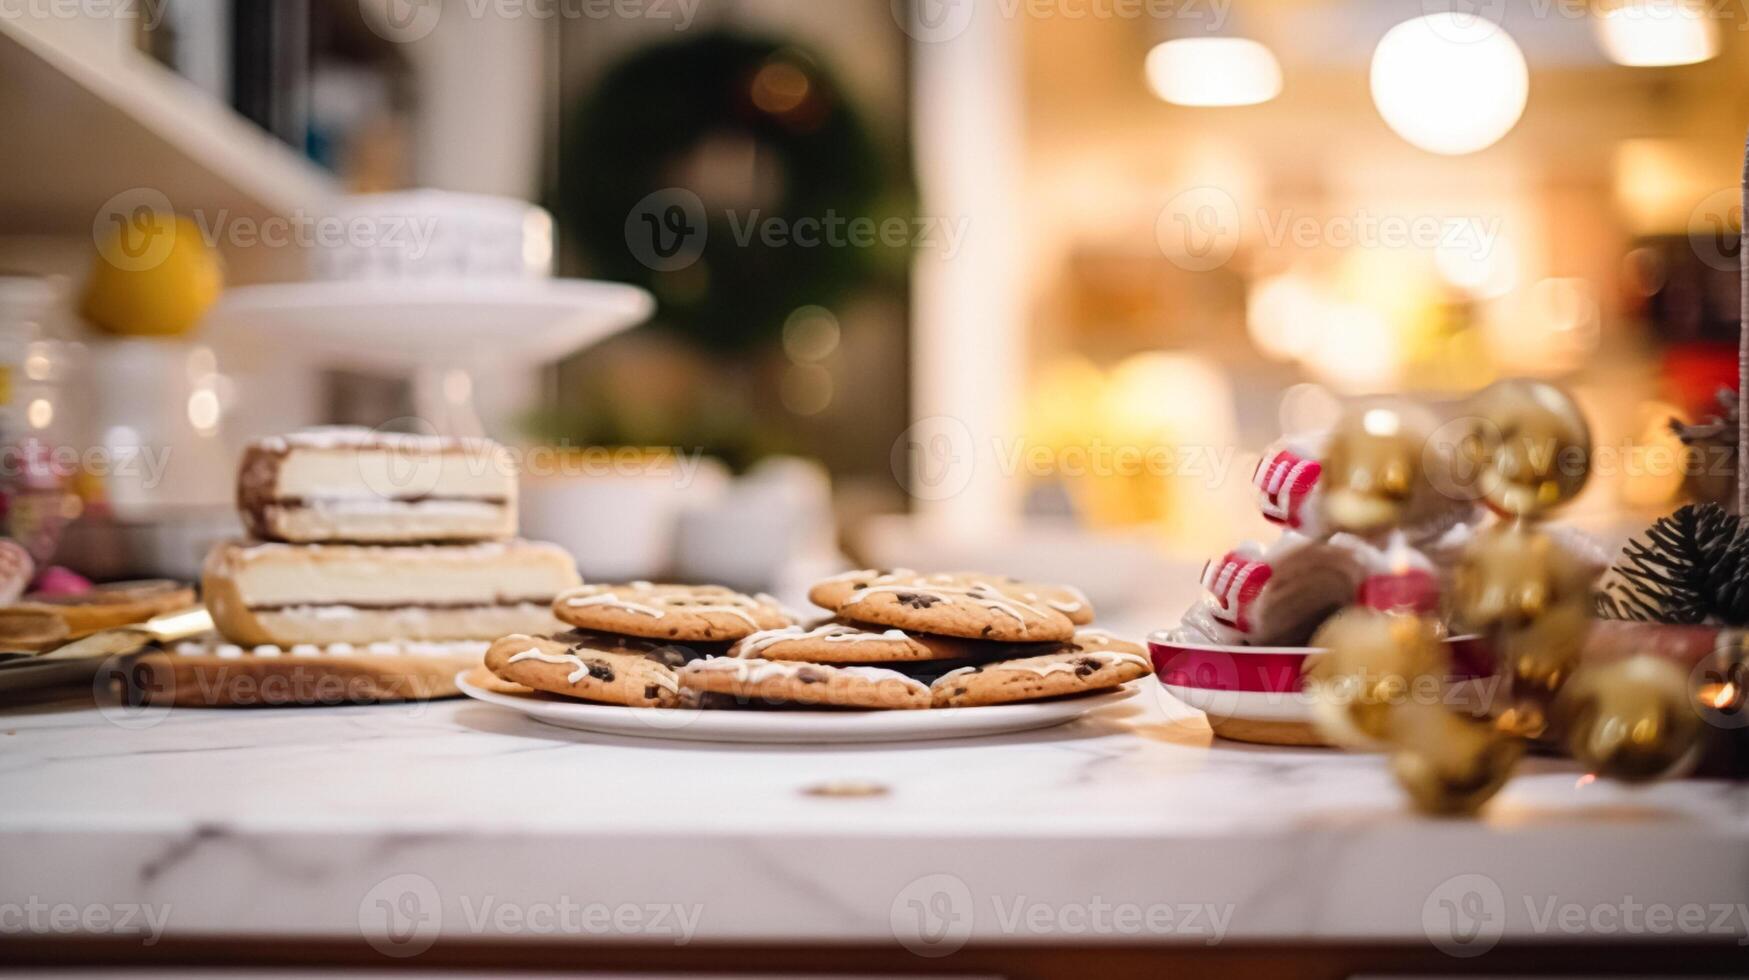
[{"x": 458, "y": 818}]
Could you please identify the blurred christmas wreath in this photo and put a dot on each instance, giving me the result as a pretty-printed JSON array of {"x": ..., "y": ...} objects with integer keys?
[{"x": 731, "y": 177}]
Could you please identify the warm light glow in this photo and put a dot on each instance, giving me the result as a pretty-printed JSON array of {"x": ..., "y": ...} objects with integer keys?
[
  {"x": 1445, "y": 92},
  {"x": 203, "y": 410},
  {"x": 1653, "y": 33},
  {"x": 1381, "y": 422},
  {"x": 1483, "y": 273},
  {"x": 1718, "y": 696},
  {"x": 1357, "y": 350},
  {"x": 1282, "y": 315},
  {"x": 1654, "y": 474},
  {"x": 1213, "y": 71},
  {"x": 1170, "y": 398},
  {"x": 780, "y": 87},
  {"x": 1308, "y": 407},
  {"x": 40, "y": 413}
]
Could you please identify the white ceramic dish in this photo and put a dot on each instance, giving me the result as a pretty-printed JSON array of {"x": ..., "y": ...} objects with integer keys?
[
  {"x": 442, "y": 323},
  {"x": 799, "y": 727}
]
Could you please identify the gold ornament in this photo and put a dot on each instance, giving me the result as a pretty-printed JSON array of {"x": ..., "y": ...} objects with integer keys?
[
  {"x": 1532, "y": 597},
  {"x": 1633, "y": 719},
  {"x": 1370, "y": 663},
  {"x": 1372, "y": 477},
  {"x": 1530, "y": 447},
  {"x": 1511, "y": 575},
  {"x": 1450, "y": 766}
]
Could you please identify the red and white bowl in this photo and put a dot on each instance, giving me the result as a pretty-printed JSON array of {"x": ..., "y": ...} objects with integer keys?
[{"x": 1254, "y": 694}]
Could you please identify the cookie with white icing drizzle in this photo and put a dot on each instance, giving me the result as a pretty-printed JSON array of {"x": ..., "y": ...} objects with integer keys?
[
  {"x": 973, "y": 610},
  {"x": 608, "y": 675},
  {"x": 683, "y": 613},
  {"x": 834, "y": 642},
  {"x": 1066, "y": 599},
  {"x": 753, "y": 681},
  {"x": 1052, "y": 675}
]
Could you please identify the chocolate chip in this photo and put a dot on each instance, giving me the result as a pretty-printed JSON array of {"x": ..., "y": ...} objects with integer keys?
[
  {"x": 986, "y": 630},
  {"x": 917, "y": 600},
  {"x": 1087, "y": 666},
  {"x": 650, "y": 692},
  {"x": 600, "y": 671}
]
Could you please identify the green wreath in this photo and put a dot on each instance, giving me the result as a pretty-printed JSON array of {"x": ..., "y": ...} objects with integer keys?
[{"x": 727, "y": 271}]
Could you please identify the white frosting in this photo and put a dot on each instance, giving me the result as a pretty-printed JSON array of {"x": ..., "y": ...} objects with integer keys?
[
  {"x": 754, "y": 671},
  {"x": 732, "y": 605},
  {"x": 1048, "y": 668},
  {"x": 764, "y": 640},
  {"x": 662, "y": 679},
  {"x": 355, "y": 436},
  {"x": 980, "y": 593},
  {"x": 609, "y": 599}
]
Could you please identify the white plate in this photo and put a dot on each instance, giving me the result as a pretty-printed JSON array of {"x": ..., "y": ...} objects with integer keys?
[
  {"x": 805, "y": 727},
  {"x": 411, "y": 323}
]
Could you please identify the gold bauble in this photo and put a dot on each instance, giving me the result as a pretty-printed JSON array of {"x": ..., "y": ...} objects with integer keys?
[
  {"x": 1631, "y": 719},
  {"x": 1511, "y": 575},
  {"x": 1372, "y": 469},
  {"x": 1449, "y": 765},
  {"x": 1529, "y": 447},
  {"x": 1535, "y": 660},
  {"x": 1370, "y": 663}
]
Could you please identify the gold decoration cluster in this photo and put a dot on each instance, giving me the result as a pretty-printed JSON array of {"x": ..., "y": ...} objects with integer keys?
[{"x": 1523, "y": 448}]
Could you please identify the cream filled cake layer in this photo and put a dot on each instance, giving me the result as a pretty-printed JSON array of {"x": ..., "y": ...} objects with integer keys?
[
  {"x": 287, "y": 593},
  {"x": 352, "y": 484}
]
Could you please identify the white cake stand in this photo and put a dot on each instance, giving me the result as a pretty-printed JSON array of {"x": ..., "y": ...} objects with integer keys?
[{"x": 429, "y": 328}]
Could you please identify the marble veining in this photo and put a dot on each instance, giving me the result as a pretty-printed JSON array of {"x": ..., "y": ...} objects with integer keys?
[{"x": 294, "y": 822}]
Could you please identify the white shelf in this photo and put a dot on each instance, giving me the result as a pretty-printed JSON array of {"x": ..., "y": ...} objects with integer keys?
[{"x": 86, "y": 120}]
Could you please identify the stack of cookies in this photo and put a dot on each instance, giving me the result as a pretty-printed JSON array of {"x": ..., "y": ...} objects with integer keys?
[
  {"x": 628, "y": 643},
  {"x": 895, "y": 640},
  {"x": 363, "y": 537}
]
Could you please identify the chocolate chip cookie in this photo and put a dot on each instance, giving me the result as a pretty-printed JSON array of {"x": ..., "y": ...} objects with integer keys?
[
  {"x": 1034, "y": 678},
  {"x": 775, "y": 682},
  {"x": 1065, "y": 599},
  {"x": 608, "y": 675},
  {"x": 949, "y": 606},
  {"x": 685, "y": 613},
  {"x": 833, "y": 642}
]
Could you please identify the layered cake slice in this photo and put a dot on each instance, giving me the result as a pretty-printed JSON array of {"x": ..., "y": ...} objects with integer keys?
[
  {"x": 360, "y": 485},
  {"x": 283, "y": 594}
]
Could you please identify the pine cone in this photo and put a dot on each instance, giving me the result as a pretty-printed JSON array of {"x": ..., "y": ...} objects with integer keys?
[
  {"x": 1728, "y": 582},
  {"x": 1676, "y": 571}
]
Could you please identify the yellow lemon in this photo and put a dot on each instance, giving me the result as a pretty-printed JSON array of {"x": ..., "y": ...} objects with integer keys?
[{"x": 154, "y": 275}]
